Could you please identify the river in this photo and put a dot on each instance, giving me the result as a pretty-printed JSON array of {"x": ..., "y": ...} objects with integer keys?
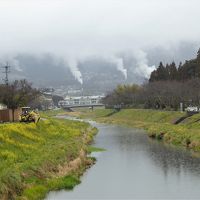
[{"x": 134, "y": 167}]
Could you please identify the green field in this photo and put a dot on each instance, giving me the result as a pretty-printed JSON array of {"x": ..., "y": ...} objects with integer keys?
[
  {"x": 158, "y": 124},
  {"x": 38, "y": 158}
]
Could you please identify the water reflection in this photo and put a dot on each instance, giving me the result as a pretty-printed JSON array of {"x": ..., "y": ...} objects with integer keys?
[{"x": 135, "y": 166}]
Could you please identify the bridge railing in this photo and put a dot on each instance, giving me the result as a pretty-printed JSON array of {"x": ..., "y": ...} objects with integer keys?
[{"x": 81, "y": 105}]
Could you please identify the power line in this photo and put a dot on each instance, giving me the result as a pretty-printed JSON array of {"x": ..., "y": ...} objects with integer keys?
[{"x": 6, "y": 72}]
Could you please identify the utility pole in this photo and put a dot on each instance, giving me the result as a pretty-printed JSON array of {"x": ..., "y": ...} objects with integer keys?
[{"x": 6, "y": 72}]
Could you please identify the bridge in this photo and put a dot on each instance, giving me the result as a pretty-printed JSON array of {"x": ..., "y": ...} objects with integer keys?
[
  {"x": 69, "y": 107},
  {"x": 81, "y": 102}
]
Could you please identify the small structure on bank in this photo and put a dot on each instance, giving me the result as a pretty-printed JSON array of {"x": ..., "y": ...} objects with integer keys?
[{"x": 7, "y": 115}]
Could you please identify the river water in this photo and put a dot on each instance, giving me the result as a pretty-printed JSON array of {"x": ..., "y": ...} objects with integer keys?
[{"x": 136, "y": 167}]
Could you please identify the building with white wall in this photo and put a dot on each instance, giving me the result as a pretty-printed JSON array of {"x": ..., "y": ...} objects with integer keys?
[{"x": 82, "y": 100}]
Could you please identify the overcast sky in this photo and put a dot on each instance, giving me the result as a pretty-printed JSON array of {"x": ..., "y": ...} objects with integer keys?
[
  {"x": 81, "y": 28},
  {"x": 95, "y": 25}
]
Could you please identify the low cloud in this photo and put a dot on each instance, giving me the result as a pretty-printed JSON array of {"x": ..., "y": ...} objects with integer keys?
[{"x": 76, "y": 30}]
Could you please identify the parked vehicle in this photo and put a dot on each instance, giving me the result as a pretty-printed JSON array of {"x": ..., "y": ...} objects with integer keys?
[
  {"x": 29, "y": 115},
  {"x": 192, "y": 109}
]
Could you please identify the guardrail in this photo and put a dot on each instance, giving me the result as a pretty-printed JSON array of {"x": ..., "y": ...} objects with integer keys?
[{"x": 82, "y": 105}]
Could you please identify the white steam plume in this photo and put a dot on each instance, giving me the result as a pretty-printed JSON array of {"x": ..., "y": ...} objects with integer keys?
[
  {"x": 142, "y": 64},
  {"x": 120, "y": 65},
  {"x": 73, "y": 65}
]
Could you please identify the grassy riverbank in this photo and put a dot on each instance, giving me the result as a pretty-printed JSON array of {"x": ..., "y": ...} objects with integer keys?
[
  {"x": 158, "y": 124},
  {"x": 38, "y": 158}
]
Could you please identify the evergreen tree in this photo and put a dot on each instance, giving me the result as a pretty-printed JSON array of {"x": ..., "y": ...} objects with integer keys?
[
  {"x": 189, "y": 70},
  {"x": 153, "y": 76},
  {"x": 168, "y": 71},
  {"x": 162, "y": 72},
  {"x": 173, "y": 73},
  {"x": 198, "y": 55}
]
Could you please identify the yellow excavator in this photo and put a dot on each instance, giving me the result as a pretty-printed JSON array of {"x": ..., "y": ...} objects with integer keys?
[{"x": 29, "y": 115}]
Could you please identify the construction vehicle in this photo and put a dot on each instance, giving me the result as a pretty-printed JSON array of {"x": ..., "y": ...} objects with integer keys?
[{"x": 29, "y": 115}]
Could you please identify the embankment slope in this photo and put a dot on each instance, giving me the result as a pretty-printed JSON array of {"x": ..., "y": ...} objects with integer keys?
[
  {"x": 37, "y": 158},
  {"x": 158, "y": 124}
]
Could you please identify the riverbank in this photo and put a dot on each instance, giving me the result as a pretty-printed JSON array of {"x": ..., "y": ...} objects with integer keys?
[
  {"x": 136, "y": 167},
  {"x": 158, "y": 124},
  {"x": 38, "y": 158}
]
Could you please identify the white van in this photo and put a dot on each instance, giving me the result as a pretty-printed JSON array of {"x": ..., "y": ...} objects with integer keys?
[{"x": 192, "y": 109}]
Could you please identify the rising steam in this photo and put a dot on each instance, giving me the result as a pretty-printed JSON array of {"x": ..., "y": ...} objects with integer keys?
[
  {"x": 120, "y": 65},
  {"x": 142, "y": 68},
  {"x": 73, "y": 65}
]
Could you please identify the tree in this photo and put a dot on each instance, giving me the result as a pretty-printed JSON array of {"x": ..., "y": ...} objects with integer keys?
[
  {"x": 153, "y": 76},
  {"x": 159, "y": 74},
  {"x": 17, "y": 94},
  {"x": 56, "y": 99},
  {"x": 125, "y": 95},
  {"x": 198, "y": 55},
  {"x": 167, "y": 88},
  {"x": 173, "y": 73},
  {"x": 189, "y": 70}
]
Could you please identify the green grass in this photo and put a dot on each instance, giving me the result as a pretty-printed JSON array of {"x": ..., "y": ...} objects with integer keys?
[
  {"x": 51, "y": 113},
  {"x": 97, "y": 113},
  {"x": 158, "y": 124},
  {"x": 31, "y": 153},
  {"x": 39, "y": 191},
  {"x": 91, "y": 149}
]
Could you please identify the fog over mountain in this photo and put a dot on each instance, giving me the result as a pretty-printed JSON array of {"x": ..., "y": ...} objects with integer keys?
[
  {"x": 95, "y": 44},
  {"x": 97, "y": 73}
]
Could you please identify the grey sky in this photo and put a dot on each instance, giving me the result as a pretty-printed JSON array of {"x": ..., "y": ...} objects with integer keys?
[
  {"x": 76, "y": 29},
  {"x": 94, "y": 25}
]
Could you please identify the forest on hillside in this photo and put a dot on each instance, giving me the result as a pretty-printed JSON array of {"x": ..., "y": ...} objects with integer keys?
[
  {"x": 168, "y": 86},
  {"x": 189, "y": 70}
]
